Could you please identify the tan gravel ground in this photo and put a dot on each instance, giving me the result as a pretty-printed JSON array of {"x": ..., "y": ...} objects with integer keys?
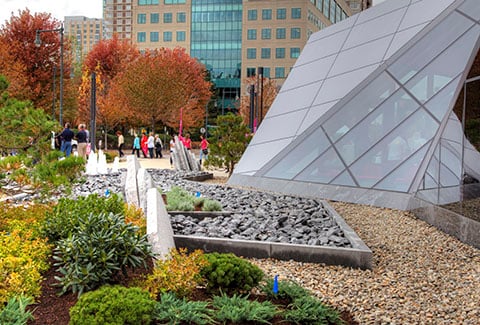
[{"x": 420, "y": 275}]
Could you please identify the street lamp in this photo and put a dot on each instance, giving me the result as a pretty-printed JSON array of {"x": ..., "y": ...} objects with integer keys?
[{"x": 38, "y": 42}]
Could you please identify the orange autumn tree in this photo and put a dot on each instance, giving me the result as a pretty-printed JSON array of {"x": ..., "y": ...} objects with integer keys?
[
  {"x": 270, "y": 91},
  {"x": 14, "y": 71},
  {"x": 106, "y": 59},
  {"x": 35, "y": 64},
  {"x": 164, "y": 85}
]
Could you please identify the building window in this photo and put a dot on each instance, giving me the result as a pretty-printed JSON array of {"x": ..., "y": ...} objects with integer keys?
[
  {"x": 154, "y": 37},
  {"x": 296, "y": 13},
  {"x": 266, "y": 14},
  {"x": 266, "y": 53},
  {"x": 142, "y": 18},
  {"x": 279, "y": 72},
  {"x": 181, "y": 36},
  {"x": 294, "y": 52},
  {"x": 280, "y": 53},
  {"x": 281, "y": 33},
  {"x": 154, "y": 18},
  {"x": 251, "y": 72},
  {"x": 281, "y": 13},
  {"x": 266, "y": 72},
  {"x": 167, "y": 17},
  {"x": 266, "y": 33},
  {"x": 141, "y": 37},
  {"x": 252, "y": 14},
  {"x": 181, "y": 17},
  {"x": 251, "y": 53},
  {"x": 295, "y": 33},
  {"x": 326, "y": 8},
  {"x": 167, "y": 36},
  {"x": 173, "y": 2},
  {"x": 252, "y": 34},
  {"x": 147, "y": 2}
]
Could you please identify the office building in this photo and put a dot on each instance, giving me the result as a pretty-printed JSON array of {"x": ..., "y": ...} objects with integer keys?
[
  {"x": 357, "y": 6},
  {"x": 234, "y": 37},
  {"x": 84, "y": 33},
  {"x": 117, "y": 17}
]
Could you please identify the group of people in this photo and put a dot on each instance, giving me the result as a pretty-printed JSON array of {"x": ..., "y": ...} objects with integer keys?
[
  {"x": 67, "y": 135},
  {"x": 187, "y": 142},
  {"x": 151, "y": 146}
]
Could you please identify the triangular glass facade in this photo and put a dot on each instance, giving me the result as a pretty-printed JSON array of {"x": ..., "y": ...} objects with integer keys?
[{"x": 367, "y": 109}]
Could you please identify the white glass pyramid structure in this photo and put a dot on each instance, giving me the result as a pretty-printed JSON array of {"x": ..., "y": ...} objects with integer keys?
[{"x": 366, "y": 115}]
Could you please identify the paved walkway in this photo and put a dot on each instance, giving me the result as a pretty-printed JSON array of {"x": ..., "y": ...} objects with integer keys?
[{"x": 163, "y": 163}]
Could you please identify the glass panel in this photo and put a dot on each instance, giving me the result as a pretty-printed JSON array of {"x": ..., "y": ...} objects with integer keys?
[
  {"x": 300, "y": 156},
  {"x": 374, "y": 29},
  {"x": 256, "y": 156},
  {"x": 401, "y": 38},
  {"x": 447, "y": 178},
  {"x": 377, "y": 124},
  {"x": 280, "y": 126},
  {"x": 444, "y": 68},
  {"x": 363, "y": 103},
  {"x": 322, "y": 170},
  {"x": 429, "y": 182},
  {"x": 393, "y": 149},
  {"x": 298, "y": 98},
  {"x": 344, "y": 179},
  {"x": 471, "y": 8},
  {"x": 338, "y": 86},
  {"x": 423, "y": 11},
  {"x": 440, "y": 104},
  {"x": 401, "y": 179},
  {"x": 314, "y": 113},
  {"x": 381, "y": 9},
  {"x": 369, "y": 53},
  {"x": 450, "y": 159},
  {"x": 328, "y": 46},
  {"x": 427, "y": 48},
  {"x": 308, "y": 73},
  {"x": 452, "y": 131}
]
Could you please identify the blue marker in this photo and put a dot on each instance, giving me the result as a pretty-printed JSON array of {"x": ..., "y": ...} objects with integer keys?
[{"x": 275, "y": 284}]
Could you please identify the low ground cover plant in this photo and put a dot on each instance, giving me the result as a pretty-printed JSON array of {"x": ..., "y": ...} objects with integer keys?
[{"x": 178, "y": 199}]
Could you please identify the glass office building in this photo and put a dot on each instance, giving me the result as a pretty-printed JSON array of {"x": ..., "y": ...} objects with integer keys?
[
  {"x": 216, "y": 40},
  {"x": 366, "y": 114}
]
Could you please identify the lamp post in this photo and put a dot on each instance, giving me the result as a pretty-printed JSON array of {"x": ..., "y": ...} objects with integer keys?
[{"x": 38, "y": 42}]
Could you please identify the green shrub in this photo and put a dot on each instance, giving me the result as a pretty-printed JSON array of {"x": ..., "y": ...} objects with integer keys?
[
  {"x": 238, "y": 309},
  {"x": 58, "y": 172},
  {"x": 212, "y": 205},
  {"x": 172, "y": 310},
  {"x": 98, "y": 247},
  {"x": 230, "y": 274},
  {"x": 113, "y": 305},
  {"x": 287, "y": 289},
  {"x": 310, "y": 310},
  {"x": 180, "y": 273},
  {"x": 65, "y": 216},
  {"x": 15, "y": 312},
  {"x": 179, "y": 199}
]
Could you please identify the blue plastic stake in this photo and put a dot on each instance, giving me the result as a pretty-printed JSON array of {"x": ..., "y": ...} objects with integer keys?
[
  {"x": 275, "y": 284},
  {"x": 107, "y": 192},
  {"x": 197, "y": 194}
]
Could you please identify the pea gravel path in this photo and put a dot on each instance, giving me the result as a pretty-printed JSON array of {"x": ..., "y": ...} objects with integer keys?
[{"x": 420, "y": 275}]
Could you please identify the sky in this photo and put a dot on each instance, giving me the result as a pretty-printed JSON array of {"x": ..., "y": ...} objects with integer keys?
[{"x": 58, "y": 8}]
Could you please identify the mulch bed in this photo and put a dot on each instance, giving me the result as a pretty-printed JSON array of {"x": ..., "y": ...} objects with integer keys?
[{"x": 54, "y": 309}]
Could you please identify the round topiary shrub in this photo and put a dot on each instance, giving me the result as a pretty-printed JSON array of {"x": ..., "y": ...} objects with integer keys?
[
  {"x": 230, "y": 274},
  {"x": 113, "y": 305}
]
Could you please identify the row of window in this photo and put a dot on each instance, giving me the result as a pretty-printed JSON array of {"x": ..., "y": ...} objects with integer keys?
[
  {"x": 331, "y": 9},
  {"x": 266, "y": 53},
  {"x": 280, "y": 33},
  {"x": 167, "y": 18},
  {"x": 181, "y": 36},
  {"x": 156, "y": 2},
  {"x": 267, "y": 14},
  {"x": 279, "y": 72}
]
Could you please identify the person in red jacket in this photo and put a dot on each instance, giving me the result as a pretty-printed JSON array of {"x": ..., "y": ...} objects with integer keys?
[{"x": 144, "y": 145}]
